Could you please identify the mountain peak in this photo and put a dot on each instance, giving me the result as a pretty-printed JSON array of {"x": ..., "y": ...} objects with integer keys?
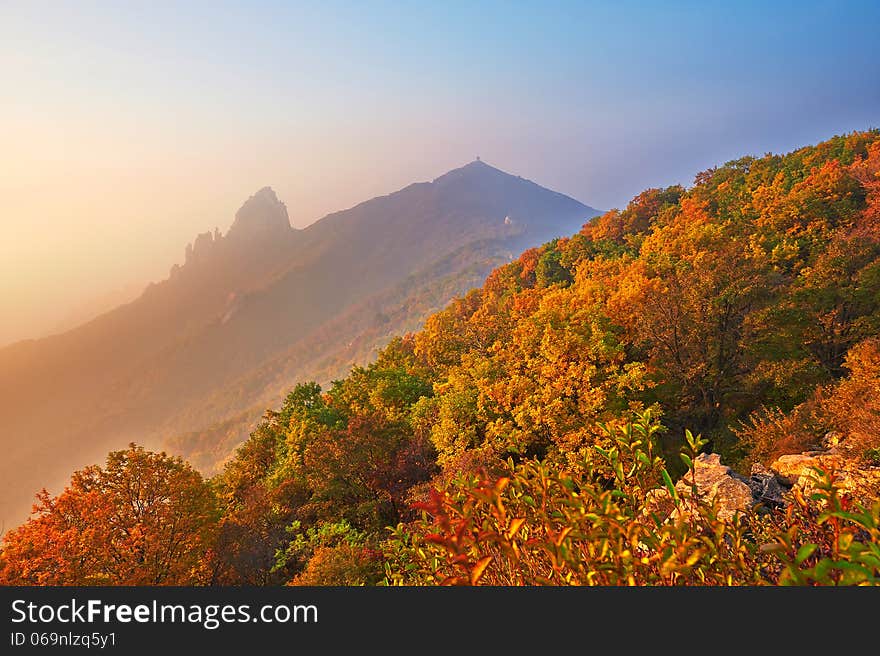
[
  {"x": 477, "y": 163},
  {"x": 261, "y": 214},
  {"x": 475, "y": 169}
]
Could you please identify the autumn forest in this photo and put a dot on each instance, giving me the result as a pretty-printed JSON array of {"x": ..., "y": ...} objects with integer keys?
[{"x": 598, "y": 412}]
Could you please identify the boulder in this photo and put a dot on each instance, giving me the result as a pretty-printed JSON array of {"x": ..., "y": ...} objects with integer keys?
[
  {"x": 714, "y": 481},
  {"x": 852, "y": 478},
  {"x": 792, "y": 468},
  {"x": 765, "y": 487},
  {"x": 730, "y": 491}
]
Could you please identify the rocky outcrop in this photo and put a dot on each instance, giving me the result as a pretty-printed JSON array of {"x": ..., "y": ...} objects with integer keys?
[
  {"x": 766, "y": 488},
  {"x": 202, "y": 247},
  {"x": 714, "y": 481},
  {"x": 262, "y": 216},
  {"x": 852, "y": 478},
  {"x": 796, "y": 468},
  {"x": 258, "y": 241}
]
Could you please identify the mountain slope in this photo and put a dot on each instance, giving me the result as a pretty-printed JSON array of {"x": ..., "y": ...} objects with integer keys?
[
  {"x": 745, "y": 309},
  {"x": 529, "y": 433},
  {"x": 252, "y": 311}
]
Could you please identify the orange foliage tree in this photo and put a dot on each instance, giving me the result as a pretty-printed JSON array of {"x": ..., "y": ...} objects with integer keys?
[{"x": 143, "y": 519}]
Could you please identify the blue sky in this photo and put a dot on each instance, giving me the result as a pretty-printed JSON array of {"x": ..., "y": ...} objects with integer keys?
[{"x": 132, "y": 126}]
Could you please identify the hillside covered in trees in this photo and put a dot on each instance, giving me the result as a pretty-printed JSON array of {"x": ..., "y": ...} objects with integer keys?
[
  {"x": 531, "y": 431},
  {"x": 190, "y": 364}
]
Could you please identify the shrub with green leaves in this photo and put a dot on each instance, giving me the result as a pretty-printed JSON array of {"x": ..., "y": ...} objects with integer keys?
[
  {"x": 539, "y": 524},
  {"x": 330, "y": 553}
]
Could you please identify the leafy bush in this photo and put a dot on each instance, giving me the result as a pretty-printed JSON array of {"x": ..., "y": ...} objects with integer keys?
[
  {"x": 333, "y": 553},
  {"x": 769, "y": 433},
  {"x": 826, "y": 540},
  {"x": 541, "y": 525}
]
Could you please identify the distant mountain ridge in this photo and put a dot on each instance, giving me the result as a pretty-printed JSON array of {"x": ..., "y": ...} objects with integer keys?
[{"x": 251, "y": 312}]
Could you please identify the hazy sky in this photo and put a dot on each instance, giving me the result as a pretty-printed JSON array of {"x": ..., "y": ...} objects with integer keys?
[{"x": 127, "y": 128}]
